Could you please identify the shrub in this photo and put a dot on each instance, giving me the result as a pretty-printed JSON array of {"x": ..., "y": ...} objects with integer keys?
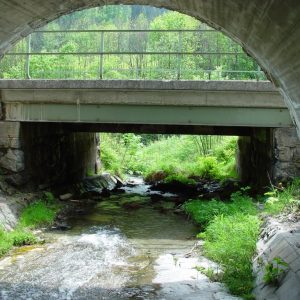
[
  {"x": 208, "y": 168},
  {"x": 231, "y": 241},
  {"x": 180, "y": 178},
  {"x": 204, "y": 211},
  {"x": 231, "y": 232}
]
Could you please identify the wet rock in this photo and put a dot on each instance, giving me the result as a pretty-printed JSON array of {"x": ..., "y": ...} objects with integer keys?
[
  {"x": 188, "y": 190},
  {"x": 120, "y": 182},
  {"x": 135, "y": 202},
  {"x": 44, "y": 186},
  {"x": 61, "y": 226},
  {"x": 95, "y": 186},
  {"x": 65, "y": 197},
  {"x": 218, "y": 190}
]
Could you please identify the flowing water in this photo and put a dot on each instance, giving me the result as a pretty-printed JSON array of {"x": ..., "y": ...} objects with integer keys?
[{"x": 113, "y": 252}]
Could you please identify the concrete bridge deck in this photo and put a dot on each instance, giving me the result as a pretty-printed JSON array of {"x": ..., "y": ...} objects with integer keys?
[{"x": 195, "y": 103}]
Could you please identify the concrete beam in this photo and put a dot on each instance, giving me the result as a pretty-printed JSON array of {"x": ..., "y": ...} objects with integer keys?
[
  {"x": 154, "y": 114},
  {"x": 253, "y": 104},
  {"x": 147, "y": 97}
]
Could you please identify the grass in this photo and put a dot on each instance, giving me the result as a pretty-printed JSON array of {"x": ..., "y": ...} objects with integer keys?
[
  {"x": 204, "y": 212},
  {"x": 231, "y": 241},
  {"x": 17, "y": 237},
  {"x": 231, "y": 230},
  {"x": 283, "y": 199},
  {"x": 39, "y": 213}
]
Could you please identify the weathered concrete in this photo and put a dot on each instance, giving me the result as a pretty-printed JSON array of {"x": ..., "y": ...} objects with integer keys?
[
  {"x": 254, "y": 104},
  {"x": 279, "y": 239},
  {"x": 44, "y": 153},
  {"x": 268, "y": 30}
]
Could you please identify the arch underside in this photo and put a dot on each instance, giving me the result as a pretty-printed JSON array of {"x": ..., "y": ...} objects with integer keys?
[{"x": 268, "y": 30}]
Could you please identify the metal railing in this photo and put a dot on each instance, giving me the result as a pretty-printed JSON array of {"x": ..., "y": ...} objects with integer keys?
[{"x": 131, "y": 54}]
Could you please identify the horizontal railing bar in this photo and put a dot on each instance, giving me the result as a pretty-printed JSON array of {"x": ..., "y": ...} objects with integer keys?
[
  {"x": 127, "y": 30},
  {"x": 124, "y": 53}
]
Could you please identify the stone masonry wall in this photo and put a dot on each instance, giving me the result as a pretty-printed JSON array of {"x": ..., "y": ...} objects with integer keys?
[
  {"x": 44, "y": 153},
  {"x": 286, "y": 154},
  {"x": 269, "y": 154}
]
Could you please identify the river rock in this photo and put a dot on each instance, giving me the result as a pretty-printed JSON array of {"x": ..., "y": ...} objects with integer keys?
[
  {"x": 65, "y": 197},
  {"x": 134, "y": 202}
]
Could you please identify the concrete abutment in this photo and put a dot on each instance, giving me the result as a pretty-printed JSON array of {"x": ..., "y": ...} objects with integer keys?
[{"x": 49, "y": 153}]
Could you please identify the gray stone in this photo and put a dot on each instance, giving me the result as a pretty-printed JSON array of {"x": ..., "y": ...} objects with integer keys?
[
  {"x": 65, "y": 197},
  {"x": 290, "y": 289},
  {"x": 13, "y": 160},
  {"x": 8, "y": 218},
  {"x": 295, "y": 265},
  {"x": 10, "y": 135}
]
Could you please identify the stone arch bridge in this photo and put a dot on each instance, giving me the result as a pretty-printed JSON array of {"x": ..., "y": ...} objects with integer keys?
[{"x": 268, "y": 30}]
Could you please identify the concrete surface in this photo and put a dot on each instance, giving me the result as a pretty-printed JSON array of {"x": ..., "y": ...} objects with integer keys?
[
  {"x": 253, "y": 104},
  {"x": 268, "y": 30},
  {"x": 279, "y": 239}
]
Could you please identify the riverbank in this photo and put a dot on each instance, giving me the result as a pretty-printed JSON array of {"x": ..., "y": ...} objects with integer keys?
[
  {"x": 137, "y": 212},
  {"x": 114, "y": 249},
  {"x": 279, "y": 247}
]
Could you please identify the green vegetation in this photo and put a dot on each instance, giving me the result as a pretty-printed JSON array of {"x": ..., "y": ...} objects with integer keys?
[
  {"x": 230, "y": 233},
  {"x": 237, "y": 65},
  {"x": 280, "y": 199},
  {"x": 204, "y": 212},
  {"x": 231, "y": 241},
  {"x": 274, "y": 270},
  {"x": 39, "y": 213},
  {"x": 231, "y": 229},
  {"x": 18, "y": 237},
  {"x": 169, "y": 157}
]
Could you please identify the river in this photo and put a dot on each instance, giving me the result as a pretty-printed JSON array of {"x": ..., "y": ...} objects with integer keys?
[{"x": 114, "y": 251}]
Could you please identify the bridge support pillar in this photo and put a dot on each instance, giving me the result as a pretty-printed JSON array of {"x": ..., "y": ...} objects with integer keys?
[
  {"x": 44, "y": 153},
  {"x": 269, "y": 155}
]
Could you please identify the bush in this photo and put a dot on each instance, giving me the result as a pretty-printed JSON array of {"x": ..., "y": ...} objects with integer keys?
[
  {"x": 208, "y": 168},
  {"x": 231, "y": 241},
  {"x": 204, "y": 211},
  {"x": 180, "y": 178},
  {"x": 231, "y": 231}
]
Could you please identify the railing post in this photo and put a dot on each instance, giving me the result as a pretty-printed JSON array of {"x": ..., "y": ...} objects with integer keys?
[
  {"x": 101, "y": 55},
  {"x": 179, "y": 55},
  {"x": 27, "y": 62},
  {"x": 258, "y": 72}
]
